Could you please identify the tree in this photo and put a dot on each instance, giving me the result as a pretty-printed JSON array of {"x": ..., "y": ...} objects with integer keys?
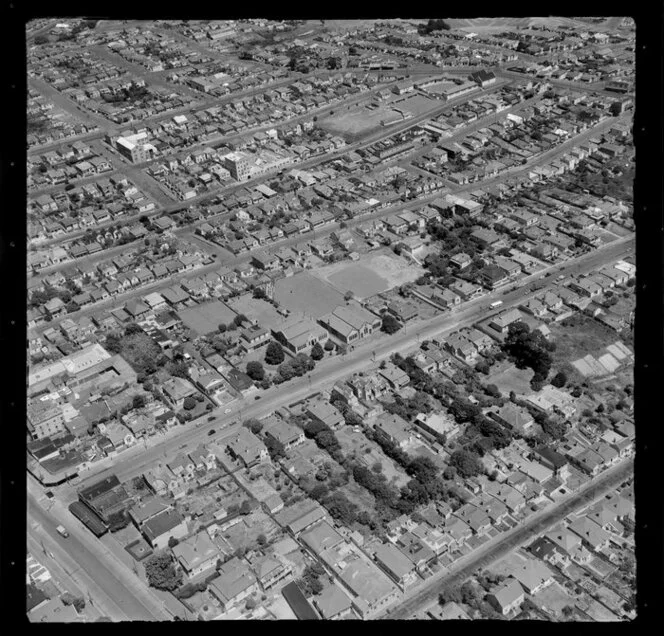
[
  {"x": 329, "y": 345},
  {"x": 251, "y": 603},
  {"x": 559, "y": 380},
  {"x": 162, "y": 573},
  {"x": 189, "y": 403},
  {"x": 41, "y": 39},
  {"x": 261, "y": 539},
  {"x": 274, "y": 354},
  {"x": 255, "y": 370},
  {"x": 568, "y": 611},
  {"x": 466, "y": 462},
  {"x": 317, "y": 352},
  {"x": 254, "y": 425},
  {"x": 245, "y": 508},
  {"x": 172, "y": 542},
  {"x": 390, "y": 324},
  {"x": 221, "y": 328},
  {"x": 138, "y": 401}
]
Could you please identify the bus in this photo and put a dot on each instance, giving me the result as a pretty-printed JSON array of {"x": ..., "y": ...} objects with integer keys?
[{"x": 498, "y": 303}]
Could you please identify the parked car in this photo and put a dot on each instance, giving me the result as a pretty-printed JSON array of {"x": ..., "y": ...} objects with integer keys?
[
  {"x": 62, "y": 531},
  {"x": 211, "y": 431}
]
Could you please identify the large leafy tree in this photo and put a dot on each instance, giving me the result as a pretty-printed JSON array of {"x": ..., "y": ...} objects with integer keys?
[
  {"x": 162, "y": 573},
  {"x": 274, "y": 354}
]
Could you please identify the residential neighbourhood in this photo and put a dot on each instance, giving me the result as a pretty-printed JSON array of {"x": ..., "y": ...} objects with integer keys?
[{"x": 330, "y": 319}]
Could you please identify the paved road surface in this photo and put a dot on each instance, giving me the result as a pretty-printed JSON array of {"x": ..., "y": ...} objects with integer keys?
[
  {"x": 506, "y": 542},
  {"x": 116, "y": 586},
  {"x": 134, "y": 461}
]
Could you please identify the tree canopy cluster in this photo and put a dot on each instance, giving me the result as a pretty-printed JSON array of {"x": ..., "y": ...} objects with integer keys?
[{"x": 529, "y": 349}]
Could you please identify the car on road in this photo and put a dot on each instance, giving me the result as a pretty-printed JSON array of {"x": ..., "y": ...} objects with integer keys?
[
  {"x": 227, "y": 410},
  {"x": 63, "y": 531},
  {"x": 258, "y": 397},
  {"x": 211, "y": 431}
]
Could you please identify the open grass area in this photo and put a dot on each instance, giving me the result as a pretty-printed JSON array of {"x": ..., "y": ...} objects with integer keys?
[
  {"x": 512, "y": 379},
  {"x": 258, "y": 309},
  {"x": 578, "y": 336},
  {"x": 206, "y": 317},
  {"x": 307, "y": 295},
  {"x": 358, "y": 122},
  {"x": 554, "y": 598},
  {"x": 375, "y": 273}
]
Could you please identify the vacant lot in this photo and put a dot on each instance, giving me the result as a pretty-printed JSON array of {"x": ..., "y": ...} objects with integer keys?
[
  {"x": 139, "y": 350},
  {"x": 207, "y": 317},
  {"x": 371, "y": 275},
  {"x": 512, "y": 379},
  {"x": 306, "y": 294},
  {"x": 578, "y": 336},
  {"x": 258, "y": 309}
]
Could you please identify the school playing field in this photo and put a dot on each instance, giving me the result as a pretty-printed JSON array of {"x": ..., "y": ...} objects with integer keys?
[
  {"x": 359, "y": 121},
  {"x": 305, "y": 294},
  {"x": 370, "y": 275},
  {"x": 206, "y": 317}
]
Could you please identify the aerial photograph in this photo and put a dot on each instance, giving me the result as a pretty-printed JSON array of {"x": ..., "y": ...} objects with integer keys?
[{"x": 330, "y": 319}]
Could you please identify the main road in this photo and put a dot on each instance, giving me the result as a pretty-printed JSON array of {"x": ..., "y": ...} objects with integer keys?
[
  {"x": 504, "y": 543},
  {"x": 111, "y": 584},
  {"x": 137, "y": 459}
]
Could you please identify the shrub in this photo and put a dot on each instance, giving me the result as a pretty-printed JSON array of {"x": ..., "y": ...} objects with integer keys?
[{"x": 189, "y": 403}]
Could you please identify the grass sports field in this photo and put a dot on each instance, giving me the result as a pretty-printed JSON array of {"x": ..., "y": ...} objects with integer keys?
[
  {"x": 206, "y": 317},
  {"x": 307, "y": 294},
  {"x": 371, "y": 275}
]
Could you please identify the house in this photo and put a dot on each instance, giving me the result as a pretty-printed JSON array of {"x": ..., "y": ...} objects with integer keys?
[
  {"x": 253, "y": 338},
  {"x": 395, "y": 377},
  {"x": 569, "y": 544},
  {"x": 323, "y": 412},
  {"x": 459, "y": 346},
  {"x": 234, "y": 584},
  {"x": 269, "y": 572},
  {"x": 196, "y": 554},
  {"x": 396, "y": 564},
  {"x": 546, "y": 550},
  {"x": 159, "y": 529},
  {"x": 177, "y": 389},
  {"x": 288, "y": 435},
  {"x": 502, "y": 321},
  {"x": 247, "y": 448},
  {"x": 591, "y": 533},
  {"x": 394, "y": 429},
  {"x": 532, "y": 575},
  {"x": 513, "y": 417},
  {"x": 507, "y": 597},
  {"x": 333, "y": 603}
]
